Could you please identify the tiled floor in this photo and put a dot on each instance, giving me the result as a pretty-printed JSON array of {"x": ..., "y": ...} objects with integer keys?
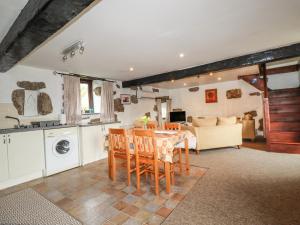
[{"x": 87, "y": 194}]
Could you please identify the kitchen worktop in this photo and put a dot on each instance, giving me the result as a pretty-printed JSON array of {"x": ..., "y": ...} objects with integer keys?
[{"x": 15, "y": 130}]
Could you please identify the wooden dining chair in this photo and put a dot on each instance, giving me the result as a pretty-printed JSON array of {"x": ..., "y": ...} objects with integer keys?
[
  {"x": 119, "y": 149},
  {"x": 172, "y": 126},
  {"x": 151, "y": 125},
  {"x": 146, "y": 157},
  {"x": 177, "y": 151}
]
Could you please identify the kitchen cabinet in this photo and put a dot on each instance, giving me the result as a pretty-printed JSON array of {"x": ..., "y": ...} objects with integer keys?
[
  {"x": 21, "y": 157},
  {"x": 3, "y": 159},
  {"x": 92, "y": 142},
  {"x": 25, "y": 153}
]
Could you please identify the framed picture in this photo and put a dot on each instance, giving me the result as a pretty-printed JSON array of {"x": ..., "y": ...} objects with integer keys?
[
  {"x": 125, "y": 99},
  {"x": 211, "y": 96}
]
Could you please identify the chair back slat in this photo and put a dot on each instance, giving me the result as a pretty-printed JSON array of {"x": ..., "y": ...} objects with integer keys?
[
  {"x": 172, "y": 126},
  {"x": 118, "y": 141},
  {"x": 144, "y": 142},
  {"x": 151, "y": 125}
]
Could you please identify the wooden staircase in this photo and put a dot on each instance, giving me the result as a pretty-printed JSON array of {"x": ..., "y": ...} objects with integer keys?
[{"x": 284, "y": 128}]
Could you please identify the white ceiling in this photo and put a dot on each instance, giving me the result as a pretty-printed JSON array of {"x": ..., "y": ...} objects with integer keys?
[
  {"x": 149, "y": 35},
  {"x": 9, "y": 11}
]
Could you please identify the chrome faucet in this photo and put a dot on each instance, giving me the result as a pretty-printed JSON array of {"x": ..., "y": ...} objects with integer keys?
[{"x": 14, "y": 118}]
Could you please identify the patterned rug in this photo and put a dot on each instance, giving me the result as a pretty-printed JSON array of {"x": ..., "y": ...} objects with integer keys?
[{"x": 29, "y": 207}]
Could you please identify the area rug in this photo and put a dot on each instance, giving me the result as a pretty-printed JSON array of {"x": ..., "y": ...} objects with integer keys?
[{"x": 29, "y": 207}]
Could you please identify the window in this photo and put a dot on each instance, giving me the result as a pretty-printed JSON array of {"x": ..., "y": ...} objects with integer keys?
[{"x": 90, "y": 103}]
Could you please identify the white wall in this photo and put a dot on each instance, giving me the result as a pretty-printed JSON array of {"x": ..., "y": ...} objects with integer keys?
[
  {"x": 133, "y": 112},
  {"x": 8, "y": 83},
  {"x": 286, "y": 80},
  {"x": 194, "y": 102}
]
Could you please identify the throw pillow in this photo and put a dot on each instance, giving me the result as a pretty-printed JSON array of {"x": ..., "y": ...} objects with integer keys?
[
  {"x": 205, "y": 122},
  {"x": 227, "y": 120}
]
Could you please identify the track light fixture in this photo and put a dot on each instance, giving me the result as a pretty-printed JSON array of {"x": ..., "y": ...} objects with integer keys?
[{"x": 72, "y": 50}]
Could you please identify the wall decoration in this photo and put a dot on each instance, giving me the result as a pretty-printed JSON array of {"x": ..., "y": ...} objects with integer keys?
[
  {"x": 125, "y": 99},
  {"x": 44, "y": 104},
  {"x": 118, "y": 106},
  {"x": 134, "y": 99},
  {"x": 18, "y": 97},
  {"x": 211, "y": 96},
  {"x": 255, "y": 93},
  {"x": 234, "y": 93},
  {"x": 194, "y": 89},
  {"x": 177, "y": 110},
  {"x": 27, "y": 85},
  {"x": 253, "y": 113},
  {"x": 97, "y": 91}
]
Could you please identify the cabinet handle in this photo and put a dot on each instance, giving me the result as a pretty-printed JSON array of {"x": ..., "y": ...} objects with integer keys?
[
  {"x": 8, "y": 140},
  {"x": 4, "y": 142}
]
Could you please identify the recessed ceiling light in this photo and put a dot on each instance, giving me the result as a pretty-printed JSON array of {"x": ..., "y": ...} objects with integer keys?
[
  {"x": 210, "y": 74},
  {"x": 181, "y": 55},
  {"x": 172, "y": 81},
  {"x": 219, "y": 78},
  {"x": 131, "y": 69},
  {"x": 184, "y": 84}
]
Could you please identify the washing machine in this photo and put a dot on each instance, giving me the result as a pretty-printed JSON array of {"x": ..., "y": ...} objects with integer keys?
[{"x": 61, "y": 150}]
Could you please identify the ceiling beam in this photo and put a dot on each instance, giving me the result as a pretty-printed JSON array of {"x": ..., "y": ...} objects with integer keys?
[
  {"x": 236, "y": 62},
  {"x": 39, "y": 20}
]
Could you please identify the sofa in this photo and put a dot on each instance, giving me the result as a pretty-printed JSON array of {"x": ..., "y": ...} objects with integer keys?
[{"x": 216, "y": 132}]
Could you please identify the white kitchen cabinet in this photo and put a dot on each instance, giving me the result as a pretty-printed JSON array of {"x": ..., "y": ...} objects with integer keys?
[
  {"x": 25, "y": 153},
  {"x": 3, "y": 158},
  {"x": 21, "y": 157},
  {"x": 92, "y": 142}
]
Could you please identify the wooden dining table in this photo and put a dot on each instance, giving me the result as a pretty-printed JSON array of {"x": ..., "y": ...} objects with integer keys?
[{"x": 166, "y": 142}]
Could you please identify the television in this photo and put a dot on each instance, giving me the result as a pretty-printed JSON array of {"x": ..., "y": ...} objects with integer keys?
[{"x": 177, "y": 116}]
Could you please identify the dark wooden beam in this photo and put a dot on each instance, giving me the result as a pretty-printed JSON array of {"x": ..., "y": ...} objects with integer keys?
[
  {"x": 37, "y": 22},
  {"x": 284, "y": 69},
  {"x": 237, "y": 62}
]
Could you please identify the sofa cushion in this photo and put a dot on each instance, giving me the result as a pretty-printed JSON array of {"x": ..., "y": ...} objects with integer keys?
[
  {"x": 227, "y": 120},
  {"x": 205, "y": 122}
]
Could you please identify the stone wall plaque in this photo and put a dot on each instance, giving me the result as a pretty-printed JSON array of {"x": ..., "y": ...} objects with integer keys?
[
  {"x": 97, "y": 91},
  {"x": 194, "y": 89},
  {"x": 234, "y": 93},
  {"x": 18, "y": 99},
  {"x": 255, "y": 93},
  {"x": 253, "y": 113},
  {"x": 118, "y": 106},
  {"x": 134, "y": 99},
  {"x": 33, "y": 86},
  {"x": 44, "y": 104}
]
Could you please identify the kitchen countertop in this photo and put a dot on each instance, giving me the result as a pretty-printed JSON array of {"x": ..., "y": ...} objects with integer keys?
[{"x": 15, "y": 130}]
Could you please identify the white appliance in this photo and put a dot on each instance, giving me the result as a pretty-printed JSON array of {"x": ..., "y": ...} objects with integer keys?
[{"x": 61, "y": 150}]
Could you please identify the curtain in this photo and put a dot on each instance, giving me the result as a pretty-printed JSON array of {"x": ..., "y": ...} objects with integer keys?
[
  {"x": 159, "y": 114},
  {"x": 107, "y": 102},
  {"x": 72, "y": 105},
  {"x": 169, "y": 109}
]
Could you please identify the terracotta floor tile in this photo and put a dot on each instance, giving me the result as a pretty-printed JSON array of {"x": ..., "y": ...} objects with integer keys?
[
  {"x": 178, "y": 197},
  {"x": 131, "y": 210},
  {"x": 91, "y": 197},
  {"x": 119, "y": 219},
  {"x": 164, "y": 212},
  {"x": 121, "y": 205}
]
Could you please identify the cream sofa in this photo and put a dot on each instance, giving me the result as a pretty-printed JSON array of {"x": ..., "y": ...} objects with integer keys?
[{"x": 216, "y": 132}]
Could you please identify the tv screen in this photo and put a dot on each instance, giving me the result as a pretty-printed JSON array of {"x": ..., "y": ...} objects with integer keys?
[{"x": 177, "y": 116}]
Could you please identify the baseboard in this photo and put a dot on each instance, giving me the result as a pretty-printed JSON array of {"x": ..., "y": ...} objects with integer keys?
[{"x": 20, "y": 180}]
